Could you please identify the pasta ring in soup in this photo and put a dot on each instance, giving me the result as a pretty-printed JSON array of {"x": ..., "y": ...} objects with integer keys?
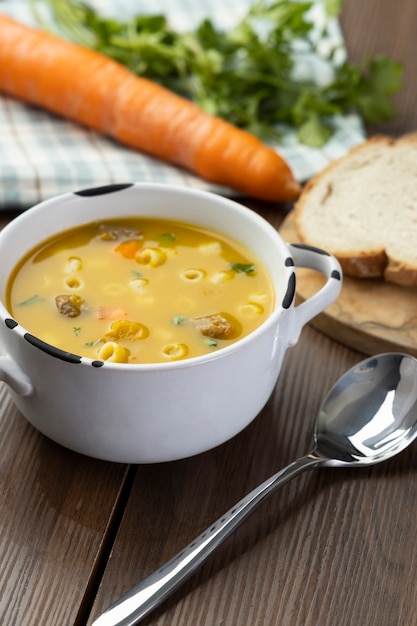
[{"x": 113, "y": 352}]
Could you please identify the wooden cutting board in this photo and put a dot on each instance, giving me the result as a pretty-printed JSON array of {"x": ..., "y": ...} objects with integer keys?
[{"x": 370, "y": 315}]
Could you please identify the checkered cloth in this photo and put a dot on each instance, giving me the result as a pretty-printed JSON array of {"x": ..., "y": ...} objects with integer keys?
[{"x": 42, "y": 156}]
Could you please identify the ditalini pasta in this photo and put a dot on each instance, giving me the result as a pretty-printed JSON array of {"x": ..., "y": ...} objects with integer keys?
[{"x": 140, "y": 291}]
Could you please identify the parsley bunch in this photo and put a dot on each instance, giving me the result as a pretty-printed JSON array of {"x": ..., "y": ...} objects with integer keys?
[{"x": 246, "y": 74}]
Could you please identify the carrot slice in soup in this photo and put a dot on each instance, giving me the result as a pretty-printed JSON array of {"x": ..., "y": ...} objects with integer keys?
[
  {"x": 110, "y": 313},
  {"x": 128, "y": 249}
]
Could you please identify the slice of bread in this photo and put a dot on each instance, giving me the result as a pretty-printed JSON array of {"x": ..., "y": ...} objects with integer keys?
[{"x": 363, "y": 209}]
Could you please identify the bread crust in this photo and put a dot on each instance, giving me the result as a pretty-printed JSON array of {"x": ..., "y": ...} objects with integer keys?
[
  {"x": 372, "y": 261},
  {"x": 400, "y": 274}
]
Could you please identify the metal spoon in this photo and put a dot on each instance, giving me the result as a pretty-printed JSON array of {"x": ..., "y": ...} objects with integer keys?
[{"x": 368, "y": 416}]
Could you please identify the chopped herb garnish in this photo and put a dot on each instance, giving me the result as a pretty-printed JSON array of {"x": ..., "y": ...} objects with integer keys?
[
  {"x": 243, "y": 268},
  {"x": 91, "y": 344},
  {"x": 77, "y": 330},
  {"x": 179, "y": 319},
  {"x": 212, "y": 343},
  {"x": 32, "y": 300},
  {"x": 167, "y": 238},
  {"x": 137, "y": 274}
]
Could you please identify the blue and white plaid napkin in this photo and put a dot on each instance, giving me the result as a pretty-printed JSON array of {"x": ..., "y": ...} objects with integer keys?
[{"x": 42, "y": 156}]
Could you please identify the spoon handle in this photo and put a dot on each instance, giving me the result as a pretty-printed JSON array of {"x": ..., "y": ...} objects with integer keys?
[{"x": 152, "y": 591}]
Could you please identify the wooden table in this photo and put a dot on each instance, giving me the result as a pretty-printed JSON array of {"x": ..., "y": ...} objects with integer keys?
[{"x": 334, "y": 547}]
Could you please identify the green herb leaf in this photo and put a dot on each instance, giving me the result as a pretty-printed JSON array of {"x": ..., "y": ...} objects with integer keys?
[
  {"x": 77, "y": 330},
  {"x": 243, "y": 268},
  {"x": 178, "y": 320},
  {"x": 313, "y": 132},
  {"x": 384, "y": 78},
  {"x": 167, "y": 239},
  {"x": 333, "y": 7},
  {"x": 212, "y": 343},
  {"x": 35, "y": 299},
  {"x": 91, "y": 344}
]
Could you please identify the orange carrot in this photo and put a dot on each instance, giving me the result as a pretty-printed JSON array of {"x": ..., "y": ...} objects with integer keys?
[
  {"x": 99, "y": 93},
  {"x": 128, "y": 249},
  {"x": 110, "y": 313}
]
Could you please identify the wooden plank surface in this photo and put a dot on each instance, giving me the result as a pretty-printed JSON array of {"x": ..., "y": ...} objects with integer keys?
[
  {"x": 334, "y": 546},
  {"x": 57, "y": 512}
]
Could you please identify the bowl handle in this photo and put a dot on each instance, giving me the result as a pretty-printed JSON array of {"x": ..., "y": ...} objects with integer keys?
[
  {"x": 325, "y": 263},
  {"x": 13, "y": 376}
]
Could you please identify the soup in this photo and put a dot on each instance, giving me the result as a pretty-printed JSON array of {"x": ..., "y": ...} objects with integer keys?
[{"x": 140, "y": 290}]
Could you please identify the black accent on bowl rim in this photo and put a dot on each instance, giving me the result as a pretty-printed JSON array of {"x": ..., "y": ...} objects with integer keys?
[
  {"x": 289, "y": 262},
  {"x": 48, "y": 349},
  {"x": 10, "y": 323},
  {"x": 290, "y": 293},
  {"x": 336, "y": 275},
  {"x": 100, "y": 191},
  {"x": 304, "y": 246},
  {"x": 51, "y": 350}
]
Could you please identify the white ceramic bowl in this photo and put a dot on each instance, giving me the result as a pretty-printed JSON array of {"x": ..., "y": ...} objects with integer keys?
[{"x": 165, "y": 411}]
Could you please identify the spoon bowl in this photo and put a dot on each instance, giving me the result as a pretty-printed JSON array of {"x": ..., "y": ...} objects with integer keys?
[{"x": 368, "y": 416}]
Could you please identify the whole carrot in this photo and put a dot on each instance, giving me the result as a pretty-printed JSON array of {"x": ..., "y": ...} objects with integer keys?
[{"x": 97, "y": 92}]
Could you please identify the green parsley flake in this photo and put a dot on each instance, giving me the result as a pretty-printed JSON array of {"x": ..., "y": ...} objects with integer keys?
[
  {"x": 178, "y": 320},
  {"x": 243, "y": 268},
  {"x": 167, "y": 239},
  {"x": 35, "y": 299},
  {"x": 91, "y": 344}
]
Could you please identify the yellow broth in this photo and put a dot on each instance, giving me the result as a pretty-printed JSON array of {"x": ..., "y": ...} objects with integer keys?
[{"x": 140, "y": 290}]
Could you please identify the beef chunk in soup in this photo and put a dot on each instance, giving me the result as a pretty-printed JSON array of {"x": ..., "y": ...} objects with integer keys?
[
  {"x": 69, "y": 305},
  {"x": 216, "y": 326},
  {"x": 118, "y": 233}
]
